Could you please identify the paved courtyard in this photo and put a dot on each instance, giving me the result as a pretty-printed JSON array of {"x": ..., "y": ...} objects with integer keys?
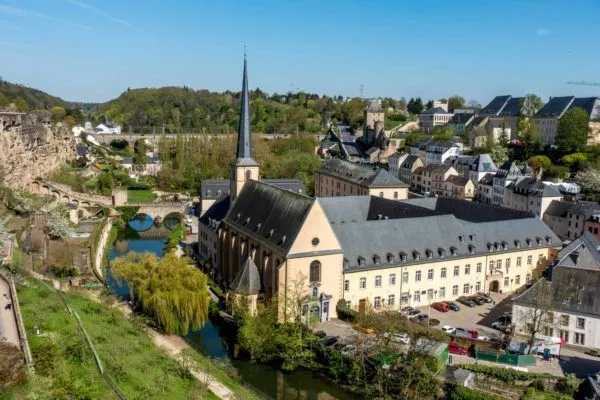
[{"x": 8, "y": 323}]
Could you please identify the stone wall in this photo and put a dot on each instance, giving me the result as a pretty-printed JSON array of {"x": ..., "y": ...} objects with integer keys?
[{"x": 33, "y": 150}]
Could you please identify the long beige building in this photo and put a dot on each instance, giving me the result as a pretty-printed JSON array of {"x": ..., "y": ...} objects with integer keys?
[{"x": 343, "y": 178}]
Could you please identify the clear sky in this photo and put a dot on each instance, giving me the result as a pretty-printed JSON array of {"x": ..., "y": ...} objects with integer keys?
[{"x": 92, "y": 50}]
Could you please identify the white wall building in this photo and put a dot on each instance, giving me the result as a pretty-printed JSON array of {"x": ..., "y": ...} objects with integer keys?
[{"x": 108, "y": 128}]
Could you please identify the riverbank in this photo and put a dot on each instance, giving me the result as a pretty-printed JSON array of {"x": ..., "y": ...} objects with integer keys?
[{"x": 101, "y": 248}]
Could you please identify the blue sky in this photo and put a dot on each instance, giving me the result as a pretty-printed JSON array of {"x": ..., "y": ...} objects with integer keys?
[{"x": 92, "y": 50}]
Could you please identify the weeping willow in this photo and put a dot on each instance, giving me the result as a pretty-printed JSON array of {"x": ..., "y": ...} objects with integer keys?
[{"x": 169, "y": 290}]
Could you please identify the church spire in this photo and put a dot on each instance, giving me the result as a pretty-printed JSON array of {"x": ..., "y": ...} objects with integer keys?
[{"x": 244, "y": 147}]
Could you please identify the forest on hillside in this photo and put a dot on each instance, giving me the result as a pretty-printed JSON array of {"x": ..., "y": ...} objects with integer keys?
[{"x": 25, "y": 98}]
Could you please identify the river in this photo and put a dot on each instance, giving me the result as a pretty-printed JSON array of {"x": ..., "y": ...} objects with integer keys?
[{"x": 217, "y": 342}]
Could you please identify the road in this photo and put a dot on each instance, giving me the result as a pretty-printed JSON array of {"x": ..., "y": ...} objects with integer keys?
[{"x": 8, "y": 322}]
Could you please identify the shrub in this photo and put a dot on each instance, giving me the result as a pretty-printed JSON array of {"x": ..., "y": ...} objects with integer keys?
[
  {"x": 463, "y": 393},
  {"x": 567, "y": 385},
  {"x": 538, "y": 385},
  {"x": 504, "y": 374},
  {"x": 345, "y": 313}
]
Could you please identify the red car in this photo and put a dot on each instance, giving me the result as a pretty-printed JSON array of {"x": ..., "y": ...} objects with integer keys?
[
  {"x": 456, "y": 348},
  {"x": 441, "y": 307}
]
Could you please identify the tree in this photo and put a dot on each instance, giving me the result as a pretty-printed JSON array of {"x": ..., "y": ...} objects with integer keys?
[
  {"x": 429, "y": 105},
  {"x": 537, "y": 315},
  {"x": 503, "y": 139},
  {"x": 573, "y": 130},
  {"x": 590, "y": 181},
  {"x": 12, "y": 367},
  {"x": 58, "y": 113},
  {"x": 168, "y": 289},
  {"x": 528, "y": 134},
  {"x": 474, "y": 105},
  {"x": 415, "y": 106},
  {"x": 531, "y": 104},
  {"x": 57, "y": 223},
  {"x": 456, "y": 102},
  {"x": 539, "y": 162}
]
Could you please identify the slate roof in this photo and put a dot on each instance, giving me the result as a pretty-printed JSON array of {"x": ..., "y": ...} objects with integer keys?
[
  {"x": 558, "y": 208},
  {"x": 440, "y": 168},
  {"x": 461, "y": 118},
  {"x": 361, "y": 174},
  {"x": 435, "y": 110},
  {"x": 562, "y": 208},
  {"x": 479, "y": 119},
  {"x": 216, "y": 188},
  {"x": 496, "y": 105},
  {"x": 488, "y": 179},
  {"x": 483, "y": 163},
  {"x": 269, "y": 212},
  {"x": 409, "y": 161},
  {"x": 247, "y": 280},
  {"x": 374, "y": 107},
  {"x": 244, "y": 143},
  {"x": 470, "y": 211},
  {"x": 512, "y": 108},
  {"x": 534, "y": 187},
  {"x": 590, "y": 104},
  {"x": 216, "y": 212},
  {"x": 458, "y": 180},
  {"x": 555, "y": 108}
]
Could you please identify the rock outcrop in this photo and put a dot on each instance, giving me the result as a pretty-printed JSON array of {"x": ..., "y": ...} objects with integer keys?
[{"x": 31, "y": 149}]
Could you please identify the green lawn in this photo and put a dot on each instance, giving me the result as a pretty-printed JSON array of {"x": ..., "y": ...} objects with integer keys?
[
  {"x": 144, "y": 196},
  {"x": 66, "y": 365}
]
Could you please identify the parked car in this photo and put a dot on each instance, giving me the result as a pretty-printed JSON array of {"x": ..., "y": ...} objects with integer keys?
[
  {"x": 485, "y": 296},
  {"x": 349, "y": 350},
  {"x": 339, "y": 346},
  {"x": 441, "y": 307},
  {"x": 359, "y": 328},
  {"x": 501, "y": 327},
  {"x": 477, "y": 300},
  {"x": 329, "y": 340},
  {"x": 419, "y": 317},
  {"x": 413, "y": 313},
  {"x": 505, "y": 319},
  {"x": 456, "y": 348},
  {"x": 448, "y": 329},
  {"x": 452, "y": 305},
  {"x": 466, "y": 333},
  {"x": 406, "y": 310},
  {"x": 401, "y": 338},
  {"x": 320, "y": 334},
  {"x": 466, "y": 301}
]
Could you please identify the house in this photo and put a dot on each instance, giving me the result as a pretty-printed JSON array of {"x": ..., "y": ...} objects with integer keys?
[
  {"x": 342, "y": 178},
  {"x": 77, "y": 130},
  {"x": 507, "y": 173},
  {"x": 430, "y": 179},
  {"x": 151, "y": 168},
  {"x": 572, "y": 295},
  {"x": 503, "y": 113},
  {"x": 88, "y": 127},
  {"x": 547, "y": 117},
  {"x": 567, "y": 219},
  {"x": 433, "y": 117},
  {"x": 460, "y": 187},
  {"x": 485, "y": 189},
  {"x": 480, "y": 166},
  {"x": 592, "y": 225},
  {"x": 394, "y": 162},
  {"x": 108, "y": 128},
  {"x": 408, "y": 167},
  {"x": 461, "y": 122},
  {"x": 343, "y": 146},
  {"x": 531, "y": 194},
  {"x": 436, "y": 151}
]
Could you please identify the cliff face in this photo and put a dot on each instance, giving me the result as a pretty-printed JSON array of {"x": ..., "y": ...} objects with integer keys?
[{"x": 32, "y": 150}]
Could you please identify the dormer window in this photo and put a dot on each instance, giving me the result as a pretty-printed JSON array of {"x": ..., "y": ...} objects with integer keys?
[
  {"x": 282, "y": 241},
  {"x": 247, "y": 221},
  {"x": 548, "y": 240},
  {"x": 429, "y": 254},
  {"x": 361, "y": 261},
  {"x": 490, "y": 247},
  {"x": 496, "y": 246},
  {"x": 271, "y": 232},
  {"x": 504, "y": 245},
  {"x": 529, "y": 242},
  {"x": 238, "y": 216},
  {"x": 403, "y": 256},
  {"x": 390, "y": 258},
  {"x": 218, "y": 192},
  {"x": 257, "y": 227},
  {"x": 518, "y": 244},
  {"x": 460, "y": 238},
  {"x": 416, "y": 255},
  {"x": 472, "y": 237},
  {"x": 453, "y": 250},
  {"x": 471, "y": 249},
  {"x": 346, "y": 263},
  {"x": 376, "y": 259},
  {"x": 441, "y": 252},
  {"x": 538, "y": 241}
]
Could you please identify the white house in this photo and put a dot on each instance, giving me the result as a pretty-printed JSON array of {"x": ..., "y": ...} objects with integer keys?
[
  {"x": 108, "y": 128},
  {"x": 572, "y": 293},
  {"x": 394, "y": 162},
  {"x": 437, "y": 152},
  {"x": 89, "y": 128},
  {"x": 77, "y": 130}
]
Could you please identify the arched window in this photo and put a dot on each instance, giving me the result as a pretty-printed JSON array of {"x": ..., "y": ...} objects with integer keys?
[
  {"x": 315, "y": 271},
  {"x": 248, "y": 175}
]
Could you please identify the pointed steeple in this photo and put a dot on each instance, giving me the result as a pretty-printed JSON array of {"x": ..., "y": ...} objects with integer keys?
[{"x": 244, "y": 147}]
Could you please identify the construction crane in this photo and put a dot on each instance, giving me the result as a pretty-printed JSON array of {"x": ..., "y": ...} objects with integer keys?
[{"x": 584, "y": 83}]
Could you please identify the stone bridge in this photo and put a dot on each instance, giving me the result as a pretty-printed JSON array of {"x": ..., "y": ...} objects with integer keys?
[
  {"x": 64, "y": 194},
  {"x": 161, "y": 209}
]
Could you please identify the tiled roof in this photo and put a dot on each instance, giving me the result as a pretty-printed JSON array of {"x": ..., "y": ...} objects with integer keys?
[
  {"x": 534, "y": 187},
  {"x": 458, "y": 180},
  {"x": 361, "y": 174}
]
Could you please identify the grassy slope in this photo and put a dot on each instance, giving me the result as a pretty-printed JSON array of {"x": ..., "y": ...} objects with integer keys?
[
  {"x": 140, "y": 196},
  {"x": 139, "y": 368}
]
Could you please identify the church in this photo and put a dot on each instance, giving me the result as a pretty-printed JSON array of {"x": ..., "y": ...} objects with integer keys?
[{"x": 269, "y": 242}]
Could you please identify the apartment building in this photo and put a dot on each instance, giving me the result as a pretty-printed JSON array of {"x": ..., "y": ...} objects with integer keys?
[
  {"x": 432, "y": 117},
  {"x": 459, "y": 187},
  {"x": 408, "y": 167},
  {"x": 547, "y": 117},
  {"x": 431, "y": 178},
  {"x": 395, "y": 160},
  {"x": 531, "y": 194},
  {"x": 568, "y": 219},
  {"x": 503, "y": 113}
]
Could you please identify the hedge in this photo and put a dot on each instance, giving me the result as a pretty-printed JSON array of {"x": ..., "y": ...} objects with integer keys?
[{"x": 505, "y": 374}]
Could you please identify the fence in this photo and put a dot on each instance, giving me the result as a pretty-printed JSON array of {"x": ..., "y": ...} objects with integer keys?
[{"x": 511, "y": 359}]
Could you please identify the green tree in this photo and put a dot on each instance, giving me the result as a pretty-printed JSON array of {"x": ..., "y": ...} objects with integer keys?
[
  {"x": 456, "y": 102},
  {"x": 531, "y": 104},
  {"x": 573, "y": 130},
  {"x": 58, "y": 113},
  {"x": 170, "y": 290},
  {"x": 528, "y": 134},
  {"x": 539, "y": 162},
  {"x": 57, "y": 223},
  {"x": 415, "y": 106}
]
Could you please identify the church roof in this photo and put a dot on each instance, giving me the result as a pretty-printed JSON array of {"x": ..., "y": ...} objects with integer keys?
[
  {"x": 247, "y": 280},
  {"x": 365, "y": 175},
  {"x": 271, "y": 213},
  {"x": 244, "y": 145}
]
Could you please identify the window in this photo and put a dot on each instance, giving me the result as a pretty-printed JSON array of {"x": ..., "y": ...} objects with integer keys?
[
  {"x": 527, "y": 278},
  {"x": 430, "y": 274},
  {"x": 346, "y": 285},
  {"x": 456, "y": 270},
  {"x": 315, "y": 271},
  {"x": 466, "y": 288},
  {"x": 361, "y": 261},
  {"x": 579, "y": 338},
  {"x": 580, "y": 323},
  {"x": 563, "y": 334},
  {"x": 540, "y": 257},
  {"x": 529, "y": 260},
  {"x": 248, "y": 175},
  {"x": 498, "y": 264},
  {"x": 377, "y": 302},
  {"x": 418, "y": 276},
  {"x": 395, "y": 195},
  {"x": 455, "y": 290},
  {"x": 442, "y": 292},
  {"x": 443, "y": 273},
  {"x": 405, "y": 277},
  {"x": 404, "y": 297},
  {"x": 507, "y": 264},
  {"x": 491, "y": 266},
  {"x": 564, "y": 320},
  {"x": 392, "y": 279},
  {"x": 430, "y": 294},
  {"x": 417, "y": 297},
  {"x": 391, "y": 300},
  {"x": 380, "y": 194},
  {"x": 518, "y": 280},
  {"x": 506, "y": 281},
  {"x": 346, "y": 263},
  {"x": 467, "y": 269},
  {"x": 315, "y": 241},
  {"x": 378, "y": 281},
  {"x": 519, "y": 261},
  {"x": 478, "y": 270},
  {"x": 548, "y": 331},
  {"x": 477, "y": 286},
  {"x": 348, "y": 303},
  {"x": 363, "y": 283},
  {"x": 376, "y": 259}
]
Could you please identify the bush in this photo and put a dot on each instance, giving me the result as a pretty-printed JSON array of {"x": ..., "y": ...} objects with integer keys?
[
  {"x": 463, "y": 393},
  {"x": 345, "y": 313},
  {"x": 567, "y": 385},
  {"x": 504, "y": 374},
  {"x": 538, "y": 385}
]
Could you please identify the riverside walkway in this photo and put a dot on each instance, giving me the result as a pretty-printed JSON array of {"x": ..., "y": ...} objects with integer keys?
[{"x": 8, "y": 322}]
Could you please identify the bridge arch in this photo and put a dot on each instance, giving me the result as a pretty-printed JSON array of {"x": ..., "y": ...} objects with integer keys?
[
  {"x": 56, "y": 195},
  {"x": 172, "y": 219},
  {"x": 141, "y": 222},
  {"x": 64, "y": 199},
  {"x": 85, "y": 204}
]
